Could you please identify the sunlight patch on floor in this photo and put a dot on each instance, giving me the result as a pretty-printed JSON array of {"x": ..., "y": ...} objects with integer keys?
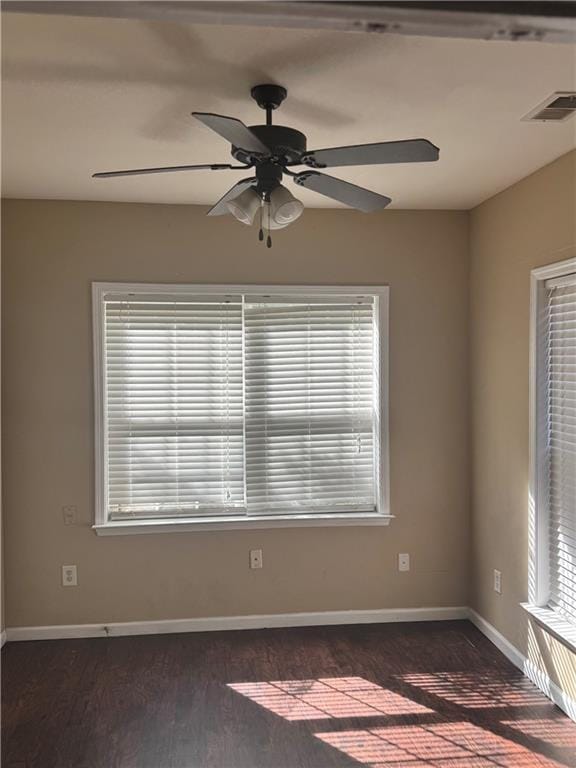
[
  {"x": 475, "y": 691},
  {"x": 444, "y": 745},
  {"x": 325, "y": 698},
  {"x": 555, "y": 730}
]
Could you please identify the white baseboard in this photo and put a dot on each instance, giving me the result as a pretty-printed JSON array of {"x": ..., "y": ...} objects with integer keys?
[
  {"x": 528, "y": 667},
  {"x": 504, "y": 645},
  {"x": 324, "y": 618},
  {"x": 2, "y": 637}
]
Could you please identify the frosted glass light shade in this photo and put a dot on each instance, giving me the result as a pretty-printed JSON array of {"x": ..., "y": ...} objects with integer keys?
[
  {"x": 245, "y": 206},
  {"x": 284, "y": 207}
]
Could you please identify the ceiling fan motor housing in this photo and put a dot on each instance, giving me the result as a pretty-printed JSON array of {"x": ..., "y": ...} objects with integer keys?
[
  {"x": 269, "y": 177},
  {"x": 288, "y": 144}
]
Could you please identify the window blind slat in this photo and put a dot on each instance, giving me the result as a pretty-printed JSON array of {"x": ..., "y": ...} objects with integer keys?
[
  {"x": 173, "y": 378},
  {"x": 561, "y": 374},
  {"x": 309, "y": 406}
]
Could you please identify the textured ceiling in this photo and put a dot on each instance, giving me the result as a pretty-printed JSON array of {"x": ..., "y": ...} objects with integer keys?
[{"x": 83, "y": 95}]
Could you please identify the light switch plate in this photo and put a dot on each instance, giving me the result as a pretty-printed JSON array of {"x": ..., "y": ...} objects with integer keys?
[{"x": 497, "y": 581}]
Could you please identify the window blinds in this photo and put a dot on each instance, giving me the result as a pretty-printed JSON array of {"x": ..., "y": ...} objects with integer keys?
[
  {"x": 309, "y": 405},
  {"x": 561, "y": 359},
  {"x": 239, "y": 405},
  {"x": 174, "y": 427}
]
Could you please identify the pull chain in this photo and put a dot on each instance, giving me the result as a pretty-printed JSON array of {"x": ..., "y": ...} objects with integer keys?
[
  {"x": 265, "y": 205},
  {"x": 269, "y": 238},
  {"x": 261, "y": 231}
]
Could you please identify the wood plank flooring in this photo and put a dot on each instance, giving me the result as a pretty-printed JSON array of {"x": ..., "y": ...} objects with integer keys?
[{"x": 428, "y": 695}]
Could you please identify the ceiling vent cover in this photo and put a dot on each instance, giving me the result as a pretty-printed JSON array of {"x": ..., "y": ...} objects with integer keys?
[{"x": 558, "y": 107}]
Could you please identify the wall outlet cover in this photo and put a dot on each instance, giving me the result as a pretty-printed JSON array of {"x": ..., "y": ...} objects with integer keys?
[
  {"x": 256, "y": 558},
  {"x": 404, "y": 562},
  {"x": 69, "y": 576},
  {"x": 69, "y": 513}
]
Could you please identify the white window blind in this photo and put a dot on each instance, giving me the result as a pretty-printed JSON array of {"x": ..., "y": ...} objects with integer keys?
[
  {"x": 236, "y": 406},
  {"x": 174, "y": 426},
  {"x": 310, "y": 405},
  {"x": 561, "y": 374}
]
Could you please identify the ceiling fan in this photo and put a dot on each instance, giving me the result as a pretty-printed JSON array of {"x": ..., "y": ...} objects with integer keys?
[{"x": 273, "y": 150}]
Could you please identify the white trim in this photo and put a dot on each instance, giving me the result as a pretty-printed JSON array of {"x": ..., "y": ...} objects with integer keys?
[
  {"x": 100, "y": 438},
  {"x": 309, "y": 289},
  {"x": 3, "y": 638},
  {"x": 103, "y": 526},
  {"x": 538, "y": 519},
  {"x": 527, "y": 666},
  {"x": 220, "y": 623},
  {"x": 537, "y": 489},
  {"x": 382, "y": 455},
  {"x": 558, "y": 269},
  {"x": 123, "y": 528},
  {"x": 503, "y": 645},
  {"x": 554, "y": 623}
]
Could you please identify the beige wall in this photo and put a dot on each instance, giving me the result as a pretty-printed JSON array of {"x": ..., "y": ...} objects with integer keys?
[
  {"x": 529, "y": 225},
  {"x": 51, "y": 253},
  {"x": 53, "y": 250}
]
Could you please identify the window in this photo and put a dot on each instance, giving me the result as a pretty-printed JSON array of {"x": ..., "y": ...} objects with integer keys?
[
  {"x": 553, "y": 487},
  {"x": 218, "y": 406}
]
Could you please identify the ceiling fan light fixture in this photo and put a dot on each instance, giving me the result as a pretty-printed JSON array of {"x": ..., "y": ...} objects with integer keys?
[
  {"x": 245, "y": 206},
  {"x": 268, "y": 221},
  {"x": 284, "y": 207}
]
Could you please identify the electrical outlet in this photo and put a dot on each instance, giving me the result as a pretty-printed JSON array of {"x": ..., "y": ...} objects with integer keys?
[
  {"x": 69, "y": 576},
  {"x": 498, "y": 581},
  {"x": 69, "y": 514},
  {"x": 404, "y": 562},
  {"x": 255, "y": 558}
]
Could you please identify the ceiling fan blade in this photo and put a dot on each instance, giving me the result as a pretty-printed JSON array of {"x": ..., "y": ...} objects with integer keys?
[
  {"x": 169, "y": 169},
  {"x": 234, "y": 131},
  {"x": 350, "y": 194},
  {"x": 221, "y": 208},
  {"x": 410, "y": 151}
]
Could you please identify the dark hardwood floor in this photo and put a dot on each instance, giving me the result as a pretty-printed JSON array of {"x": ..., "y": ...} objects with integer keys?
[{"x": 391, "y": 695}]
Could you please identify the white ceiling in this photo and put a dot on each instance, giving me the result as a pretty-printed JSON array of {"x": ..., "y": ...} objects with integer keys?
[{"x": 85, "y": 94}]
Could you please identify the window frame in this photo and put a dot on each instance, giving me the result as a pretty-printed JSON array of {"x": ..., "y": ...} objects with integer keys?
[
  {"x": 538, "y": 513},
  {"x": 104, "y": 526}
]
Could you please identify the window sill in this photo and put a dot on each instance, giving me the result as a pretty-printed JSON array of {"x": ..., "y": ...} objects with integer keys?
[
  {"x": 554, "y": 623},
  {"x": 121, "y": 527}
]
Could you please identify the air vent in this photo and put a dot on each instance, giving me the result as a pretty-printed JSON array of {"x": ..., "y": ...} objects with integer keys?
[{"x": 558, "y": 107}]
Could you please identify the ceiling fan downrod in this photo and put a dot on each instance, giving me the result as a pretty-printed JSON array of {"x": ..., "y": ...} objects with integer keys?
[{"x": 268, "y": 97}]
